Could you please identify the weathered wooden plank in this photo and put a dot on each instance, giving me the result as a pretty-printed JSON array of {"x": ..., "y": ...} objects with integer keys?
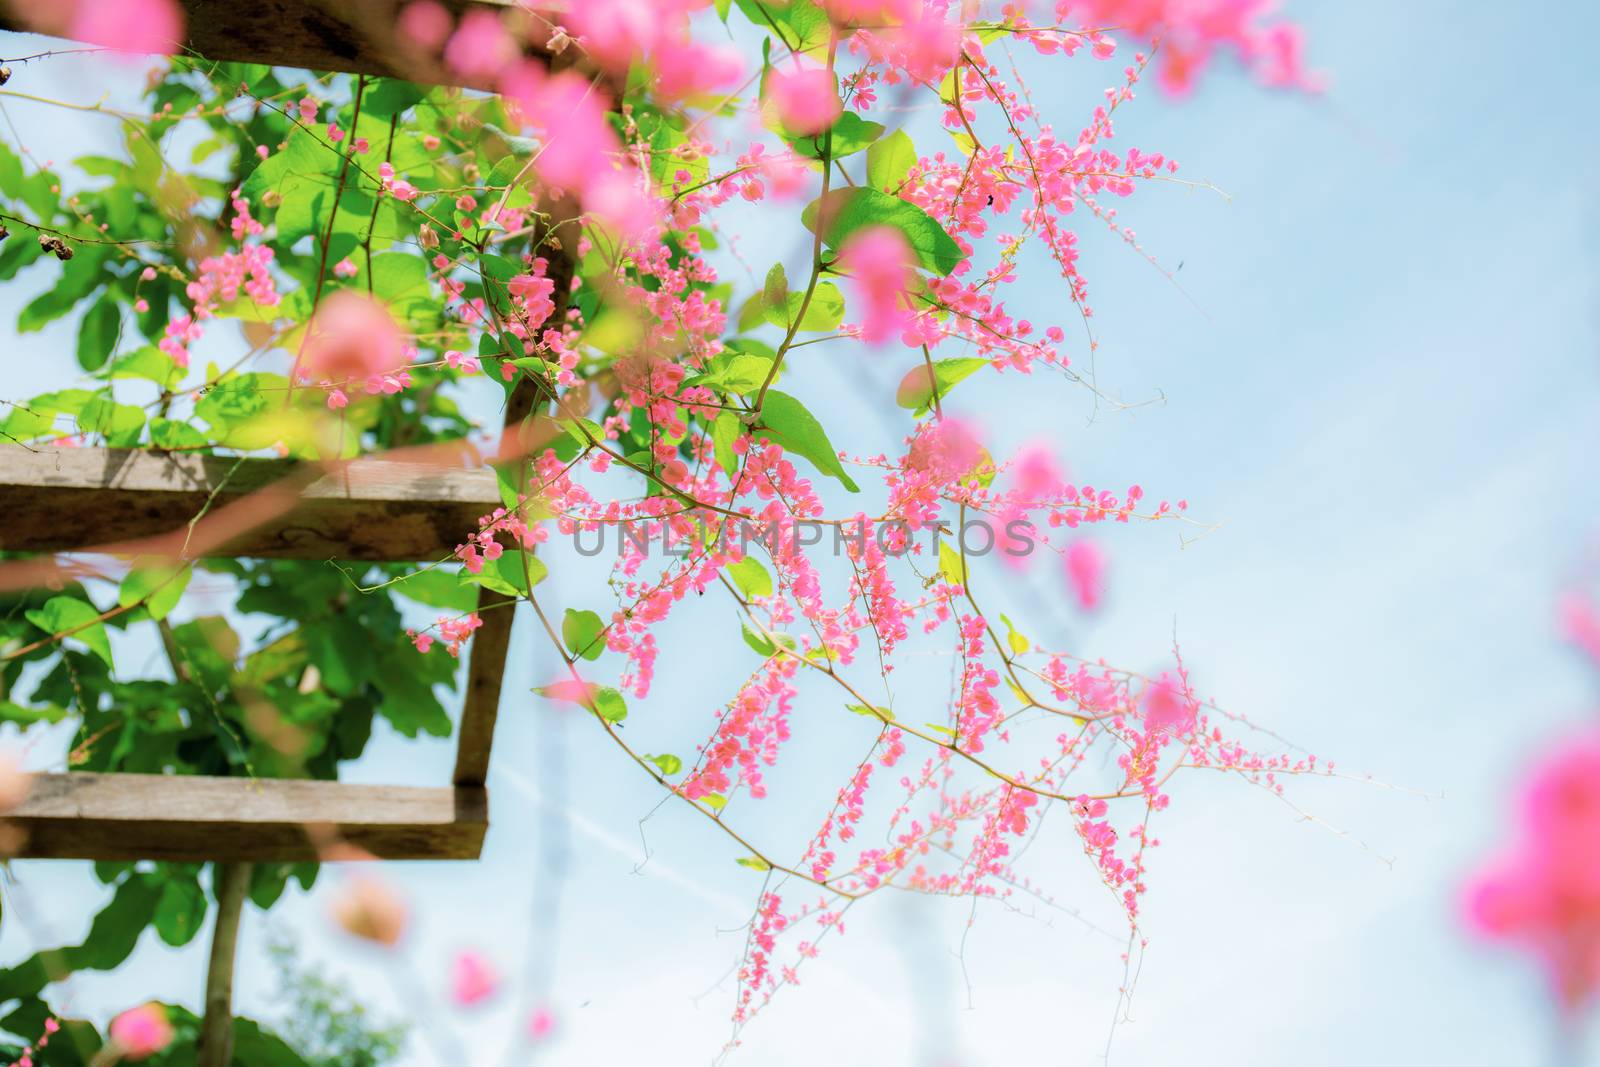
[
  {"x": 195, "y": 819},
  {"x": 485, "y": 670},
  {"x": 491, "y": 641},
  {"x": 370, "y": 509},
  {"x": 354, "y": 36}
]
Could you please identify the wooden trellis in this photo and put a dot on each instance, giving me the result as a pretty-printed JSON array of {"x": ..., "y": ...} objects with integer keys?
[{"x": 367, "y": 510}]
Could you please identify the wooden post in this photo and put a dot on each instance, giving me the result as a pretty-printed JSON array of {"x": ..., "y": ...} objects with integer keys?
[
  {"x": 231, "y": 881},
  {"x": 488, "y": 654}
]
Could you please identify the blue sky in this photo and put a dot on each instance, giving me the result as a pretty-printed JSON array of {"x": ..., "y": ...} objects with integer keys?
[{"x": 1386, "y": 399}]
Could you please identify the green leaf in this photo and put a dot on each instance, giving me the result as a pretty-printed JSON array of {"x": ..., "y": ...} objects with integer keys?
[
  {"x": 395, "y": 274},
  {"x": 667, "y": 764},
  {"x": 26, "y": 717},
  {"x": 148, "y": 363},
  {"x": 916, "y": 389},
  {"x": 849, "y": 134},
  {"x": 786, "y": 423},
  {"x": 715, "y": 801},
  {"x": 82, "y": 274},
  {"x": 157, "y": 582},
  {"x": 776, "y": 290},
  {"x": 1019, "y": 643},
  {"x": 755, "y": 863},
  {"x": 736, "y": 372},
  {"x": 506, "y": 575},
  {"x": 408, "y": 699},
  {"x": 63, "y": 613},
  {"x": 764, "y": 646},
  {"x": 97, "y": 334},
  {"x": 390, "y": 96},
  {"x": 237, "y": 400},
  {"x": 870, "y": 711},
  {"x": 890, "y": 160},
  {"x": 581, "y": 631},
  {"x": 844, "y": 211},
  {"x": 751, "y": 577},
  {"x": 609, "y": 704},
  {"x": 120, "y": 424},
  {"x": 824, "y": 311},
  {"x": 437, "y": 588},
  {"x": 725, "y": 430},
  {"x": 951, "y": 565},
  {"x": 170, "y": 433},
  {"x": 180, "y": 911}
]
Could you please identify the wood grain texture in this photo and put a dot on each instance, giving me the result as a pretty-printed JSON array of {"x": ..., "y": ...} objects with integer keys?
[
  {"x": 193, "y": 819},
  {"x": 352, "y": 36},
  {"x": 76, "y": 498}
]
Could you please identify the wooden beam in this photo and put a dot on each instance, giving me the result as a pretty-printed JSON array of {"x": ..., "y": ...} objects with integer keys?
[
  {"x": 374, "y": 510},
  {"x": 353, "y": 36},
  {"x": 189, "y": 818},
  {"x": 489, "y": 644}
]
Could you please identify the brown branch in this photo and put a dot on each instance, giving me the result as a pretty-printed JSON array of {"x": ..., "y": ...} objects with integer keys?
[{"x": 231, "y": 882}]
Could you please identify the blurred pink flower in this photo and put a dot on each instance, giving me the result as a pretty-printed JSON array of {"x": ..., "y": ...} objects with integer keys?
[
  {"x": 1544, "y": 893},
  {"x": 480, "y": 47},
  {"x": 141, "y": 1032},
  {"x": 425, "y": 23},
  {"x": 946, "y": 450},
  {"x": 1086, "y": 566},
  {"x": 127, "y": 25},
  {"x": 804, "y": 98},
  {"x": 473, "y": 979},
  {"x": 541, "y": 1023},
  {"x": 878, "y": 261},
  {"x": 352, "y": 337},
  {"x": 578, "y": 140},
  {"x": 1167, "y": 707}
]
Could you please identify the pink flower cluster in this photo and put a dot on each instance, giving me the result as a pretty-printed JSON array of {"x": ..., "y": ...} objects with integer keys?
[{"x": 1544, "y": 892}]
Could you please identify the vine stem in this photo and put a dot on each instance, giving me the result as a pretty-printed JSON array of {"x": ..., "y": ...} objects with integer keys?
[{"x": 231, "y": 882}]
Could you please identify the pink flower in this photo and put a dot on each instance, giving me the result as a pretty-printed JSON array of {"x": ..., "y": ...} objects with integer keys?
[
  {"x": 1545, "y": 892},
  {"x": 878, "y": 260},
  {"x": 617, "y": 197},
  {"x": 473, "y": 979},
  {"x": 578, "y": 139},
  {"x": 1036, "y": 474},
  {"x": 345, "y": 268},
  {"x": 1086, "y": 566},
  {"x": 352, "y": 337},
  {"x": 480, "y": 47},
  {"x": 141, "y": 1032},
  {"x": 1167, "y": 707},
  {"x": 804, "y": 98},
  {"x": 425, "y": 24},
  {"x": 541, "y": 1023},
  {"x": 128, "y": 25},
  {"x": 683, "y": 69},
  {"x": 946, "y": 450}
]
